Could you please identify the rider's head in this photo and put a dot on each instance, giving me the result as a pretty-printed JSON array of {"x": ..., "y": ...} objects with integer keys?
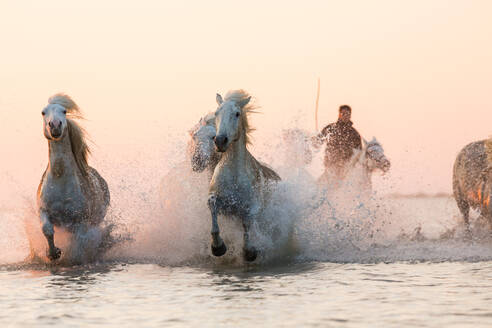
[{"x": 344, "y": 113}]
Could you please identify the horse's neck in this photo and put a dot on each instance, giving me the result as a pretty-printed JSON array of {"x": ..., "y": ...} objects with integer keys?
[
  {"x": 237, "y": 155},
  {"x": 213, "y": 163},
  {"x": 61, "y": 159}
]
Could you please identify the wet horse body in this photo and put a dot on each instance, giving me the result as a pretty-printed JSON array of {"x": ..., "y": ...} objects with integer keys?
[
  {"x": 71, "y": 194},
  {"x": 66, "y": 198},
  {"x": 472, "y": 180},
  {"x": 240, "y": 186}
]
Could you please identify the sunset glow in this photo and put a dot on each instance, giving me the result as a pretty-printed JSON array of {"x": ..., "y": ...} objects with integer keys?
[{"x": 417, "y": 74}]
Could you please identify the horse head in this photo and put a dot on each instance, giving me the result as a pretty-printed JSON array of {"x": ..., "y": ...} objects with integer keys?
[
  {"x": 231, "y": 119},
  {"x": 376, "y": 159},
  {"x": 54, "y": 121},
  {"x": 201, "y": 145}
]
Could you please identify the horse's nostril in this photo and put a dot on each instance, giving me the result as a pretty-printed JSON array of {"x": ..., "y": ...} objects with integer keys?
[{"x": 221, "y": 141}]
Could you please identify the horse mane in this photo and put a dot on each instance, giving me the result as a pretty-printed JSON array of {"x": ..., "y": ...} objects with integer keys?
[
  {"x": 76, "y": 133},
  {"x": 237, "y": 96},
  {"x": 268, "y": 172}
]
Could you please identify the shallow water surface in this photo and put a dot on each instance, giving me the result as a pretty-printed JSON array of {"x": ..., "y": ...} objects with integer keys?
[
  {"x": 384, "y": 262},
  {"x": 287, "y": 295}
]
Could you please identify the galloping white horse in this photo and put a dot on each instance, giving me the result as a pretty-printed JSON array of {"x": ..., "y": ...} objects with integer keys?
[
  {"x": 369, "y": 159},
  {"x": 240, "y": 185},
  {"x": 71, "y": 194}
]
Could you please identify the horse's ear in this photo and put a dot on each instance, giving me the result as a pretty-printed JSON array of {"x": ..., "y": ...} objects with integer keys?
[
  {"x": 243, "y": 102},
  {"x": 219, "y": 100}
]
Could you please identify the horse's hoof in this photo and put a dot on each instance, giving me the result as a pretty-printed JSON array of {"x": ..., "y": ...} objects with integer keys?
[
  {"x": 250, "y": 254},
  {"x": 219, "y": 251},
  {"x": 55, "y": 255}
]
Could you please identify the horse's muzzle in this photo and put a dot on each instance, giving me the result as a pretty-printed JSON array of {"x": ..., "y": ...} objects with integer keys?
[
  {"x": 56, "y": 133},
  {"x": 221, "y": 142},
  {"x": 55, "y": 128}
]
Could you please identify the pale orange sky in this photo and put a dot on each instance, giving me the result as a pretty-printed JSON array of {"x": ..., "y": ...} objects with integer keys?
[{"x": 418, "y": 74}]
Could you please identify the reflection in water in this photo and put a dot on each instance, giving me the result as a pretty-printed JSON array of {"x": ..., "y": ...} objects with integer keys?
[
  {"x": 74, "y": 283},
  {"x": 289, "y": 294}
]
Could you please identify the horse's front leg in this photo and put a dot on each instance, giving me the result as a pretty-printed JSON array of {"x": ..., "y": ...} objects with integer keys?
[
  {"x": 54, "y": 252},
  {"x": 218, "y": 246},
  {"x": 249, "y": 252}
]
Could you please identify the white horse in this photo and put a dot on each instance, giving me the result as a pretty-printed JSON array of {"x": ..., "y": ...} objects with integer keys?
[
  {"x": 361, "y": 166},
  {"x": 374, "y": 159},
  {"x": 202, "y": 145},
  {"x": 71, "y": 194},
  {"x": 240, "y": 185},
  {"x": 201, "y": 156}
]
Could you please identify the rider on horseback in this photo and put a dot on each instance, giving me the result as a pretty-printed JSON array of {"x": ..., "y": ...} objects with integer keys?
[{"x": 341, "y": 140}]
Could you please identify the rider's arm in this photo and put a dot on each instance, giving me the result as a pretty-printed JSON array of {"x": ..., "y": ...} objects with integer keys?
[{"x": 318, "y": 140}]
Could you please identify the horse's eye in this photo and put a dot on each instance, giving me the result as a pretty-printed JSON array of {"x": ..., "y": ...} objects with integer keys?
[
  {"x": 237, "y": 114},
  {"x": 64, "y": 112}
]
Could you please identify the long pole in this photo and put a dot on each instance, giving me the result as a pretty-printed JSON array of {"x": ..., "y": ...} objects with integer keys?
[{"x": 316, "y": 108}]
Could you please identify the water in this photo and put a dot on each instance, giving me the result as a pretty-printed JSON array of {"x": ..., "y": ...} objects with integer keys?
[
  {"x": 421, "y": 273},
  {"x": 298, "y": 294},
  {"x": 336, "y": 258}
]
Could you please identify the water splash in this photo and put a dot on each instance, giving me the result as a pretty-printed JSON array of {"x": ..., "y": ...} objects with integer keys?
[{"x": 159, "y": 215}]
